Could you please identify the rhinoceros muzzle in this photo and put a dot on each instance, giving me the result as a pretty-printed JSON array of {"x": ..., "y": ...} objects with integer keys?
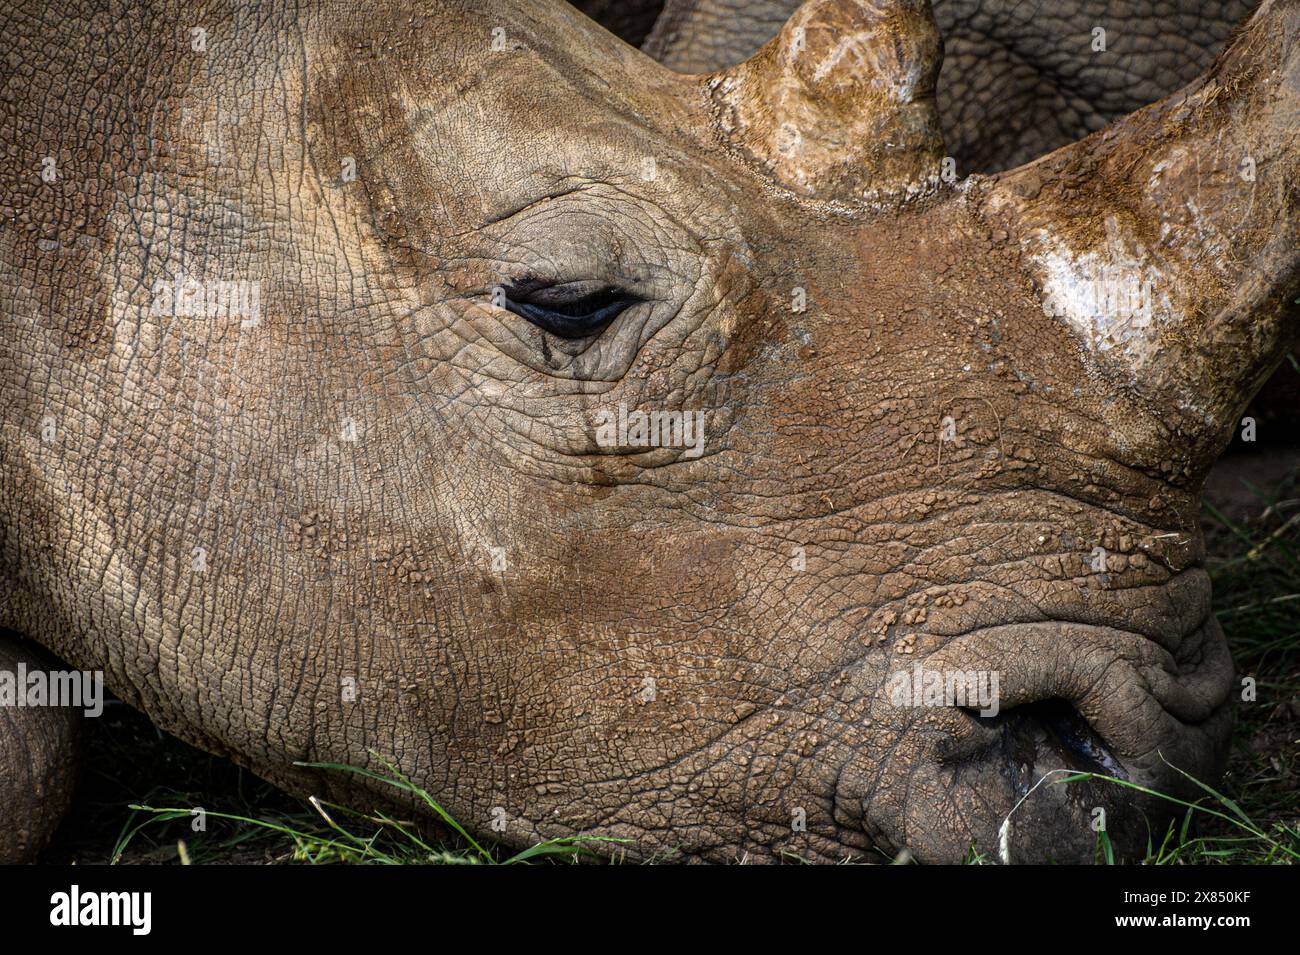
[{"x": 1087, "y": 723}]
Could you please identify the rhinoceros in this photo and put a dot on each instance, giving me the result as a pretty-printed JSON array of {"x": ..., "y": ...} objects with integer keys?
[{"x": 698, "y": 462}]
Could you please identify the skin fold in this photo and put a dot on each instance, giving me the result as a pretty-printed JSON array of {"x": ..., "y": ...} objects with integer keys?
[{"x": 374, "y": 523}]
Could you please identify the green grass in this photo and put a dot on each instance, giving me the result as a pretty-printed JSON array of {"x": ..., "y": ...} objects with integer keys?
[
  {"x": 1254, "y": 560},
  {"x": 382, "y": 840},
  {"x": 135, "y": 805},
  {"x": 1233, "y": 836},
  {"x": 245, "y": 820}
]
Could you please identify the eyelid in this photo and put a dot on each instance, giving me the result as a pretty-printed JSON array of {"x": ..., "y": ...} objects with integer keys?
[
  {"x": 567, "y": 292},
  {"x": 541, "y": 292},
  {"x": 571, "y": 309}
]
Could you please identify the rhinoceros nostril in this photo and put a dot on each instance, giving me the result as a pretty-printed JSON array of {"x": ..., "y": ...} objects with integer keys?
[
  {"x": 1064, "y": 727},
  {"x": 1078, "y": 737}
]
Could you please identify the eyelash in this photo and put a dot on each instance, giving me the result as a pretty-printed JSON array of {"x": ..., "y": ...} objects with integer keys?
[{"x": 579, "y": 315}]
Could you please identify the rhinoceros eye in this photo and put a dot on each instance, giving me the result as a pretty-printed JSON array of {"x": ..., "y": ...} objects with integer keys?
[{"x": 569, "y": 310}]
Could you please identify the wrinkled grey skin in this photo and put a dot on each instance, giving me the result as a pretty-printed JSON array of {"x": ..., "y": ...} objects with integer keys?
[{"x": 1020, "y": 77}]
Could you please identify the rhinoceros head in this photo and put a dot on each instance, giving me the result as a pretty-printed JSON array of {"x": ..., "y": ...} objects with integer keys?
[{"x": 689, "y": 460}]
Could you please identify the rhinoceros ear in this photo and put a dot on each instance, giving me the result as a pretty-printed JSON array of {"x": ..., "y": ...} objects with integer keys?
[
  {"x": 840, "y": 104},
  {"x": 1170, "y": 241}
]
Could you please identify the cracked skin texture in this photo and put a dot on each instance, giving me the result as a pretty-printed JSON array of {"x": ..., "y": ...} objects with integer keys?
[
  {"x": 38, "y": 754},
  {"x": 394, "y": 486}
]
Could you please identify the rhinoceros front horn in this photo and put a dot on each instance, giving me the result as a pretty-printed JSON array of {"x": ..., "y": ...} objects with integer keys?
[
  {"x": 1170, "y": 241},
  {"x": 840, "y": 104}
]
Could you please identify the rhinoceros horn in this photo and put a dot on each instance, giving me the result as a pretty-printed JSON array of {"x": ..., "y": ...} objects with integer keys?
[
  {"x": 1170, "y": 240},
  {"x": 840, "y": 104}
]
